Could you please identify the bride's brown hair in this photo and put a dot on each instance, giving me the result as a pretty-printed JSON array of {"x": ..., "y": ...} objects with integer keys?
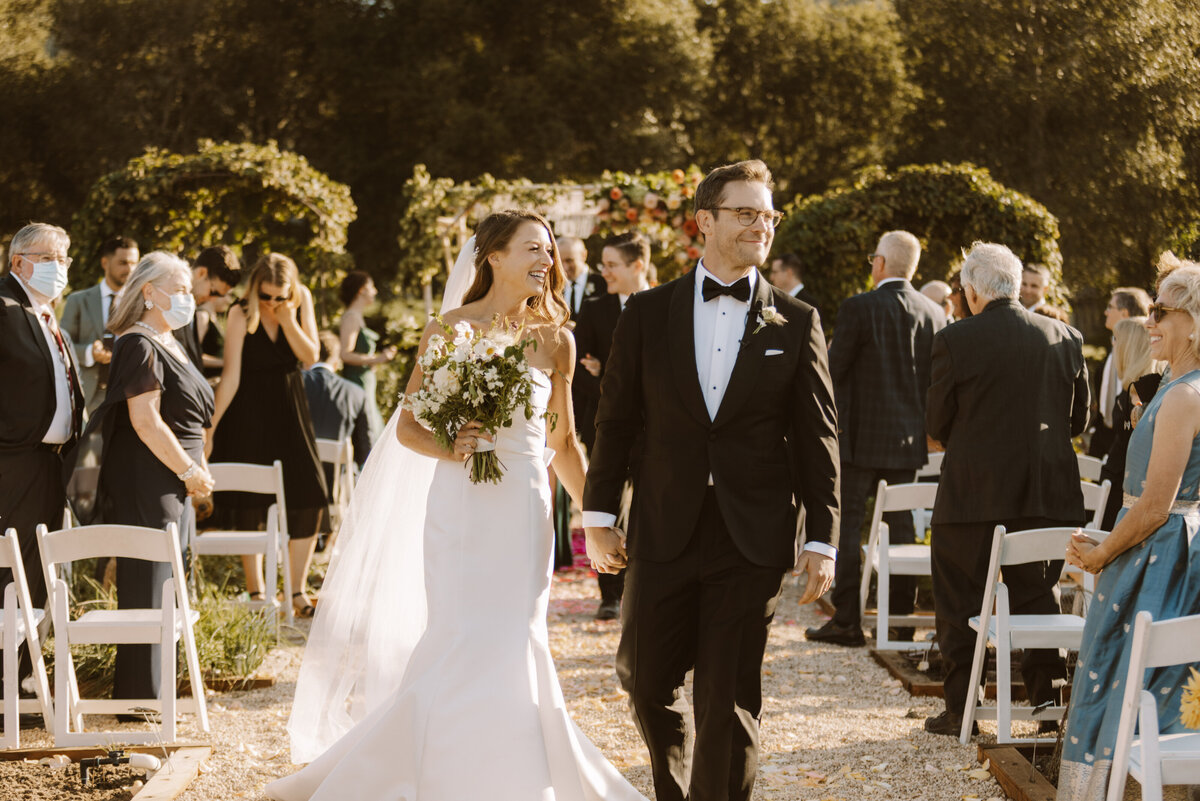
[{"x": 494, "y": 234}]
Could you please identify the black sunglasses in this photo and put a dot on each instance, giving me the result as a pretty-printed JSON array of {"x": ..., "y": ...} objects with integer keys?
[{"x": 263, "y": 296}]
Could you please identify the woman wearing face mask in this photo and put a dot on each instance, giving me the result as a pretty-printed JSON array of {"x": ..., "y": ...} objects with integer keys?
[
  {"x": 154, "y": 419},
  {"x": 262, "y": 415}
]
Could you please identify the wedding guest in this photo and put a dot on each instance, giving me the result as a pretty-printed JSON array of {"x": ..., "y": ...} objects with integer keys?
[
  {"x": 1035, "y": 280},
  {"x": 582, "y": 283},
  {"x": 45, "y": 416},
  {"x": 879, "y": 363},
  {"x": 1148, "y": 561},
  {"x": 1125, "y": 302},
  {"x": 154, "y": 420},
  {"x": 1053, "y": 312},
  {"x": 360, "y": 344},
  {"x": 214, "y": 275},
  {"x": 262, "y": 414},
  {"x": 787, "y": 273},
  {"x": 338, "y": 406},
  {"x": 624, "y": 263},
  {"x": 1139, "y": 376},
  {"x": 961, "y": 310},
  {"x": 210, "y": 328},
  {"x": 939, "y": 292},
  {"x": 1008, "y": 392},
  {"x": 85, "y": 317}
]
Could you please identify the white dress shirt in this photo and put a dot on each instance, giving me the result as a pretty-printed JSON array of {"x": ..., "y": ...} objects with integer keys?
[
  {"x": 718, "y": 328},
  {"x": 1110, "y": 387},
  {"x": 794, "y": 291},
  {"x": 60, "y": 425}
]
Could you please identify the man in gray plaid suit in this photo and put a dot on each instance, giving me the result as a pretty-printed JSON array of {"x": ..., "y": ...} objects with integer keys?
[{"x": 880, "y": 365}]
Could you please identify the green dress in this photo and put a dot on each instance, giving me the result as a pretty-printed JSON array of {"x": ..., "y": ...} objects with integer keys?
[{"x": 364, "y": 375}]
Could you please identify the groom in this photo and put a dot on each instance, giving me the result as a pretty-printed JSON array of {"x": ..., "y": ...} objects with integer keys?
[{"x": 721, "y": 383}]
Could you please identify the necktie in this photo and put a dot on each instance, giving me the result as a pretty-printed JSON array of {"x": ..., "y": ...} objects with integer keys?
[
  {"x": 571, "y": 296},
  {"x": 66, "y": 360},
  {"x": 739, "y": 289},
  {"x": 112, "y": 304}
]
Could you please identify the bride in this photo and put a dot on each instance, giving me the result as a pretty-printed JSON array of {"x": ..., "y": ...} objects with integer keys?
[{"x": 428, "y": 675}]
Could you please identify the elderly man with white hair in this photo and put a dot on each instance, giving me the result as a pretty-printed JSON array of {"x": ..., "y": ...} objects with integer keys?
[
  {"x": 44, "y": 415},
  {"x": 1009, "y": 391}
]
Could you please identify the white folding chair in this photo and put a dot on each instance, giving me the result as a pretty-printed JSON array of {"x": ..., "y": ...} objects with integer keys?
[
  {"x": 1095, "y": 498},
  {"x": 933, "y": 467},
  {"x": 1154, "y": 760},
  {"x": 996, "y": 626},
  {"x": 271, "y": 543},
  {"x": 887, "y": 560},
  {"x": 19, "y": 625},
  {"x": 340, "y": 454},
  {"x": 164, "y": 627},
  {"x": 1089, "y": 467}
]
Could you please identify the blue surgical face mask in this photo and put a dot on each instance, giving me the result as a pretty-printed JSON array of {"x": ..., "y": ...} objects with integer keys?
[
  {"x": 183, "y": 309},
  {"x": 49, "y": 277}
]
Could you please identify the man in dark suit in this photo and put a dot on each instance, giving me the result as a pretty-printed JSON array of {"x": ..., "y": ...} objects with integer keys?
[
  {"x": 625, "y": 261},
  {"x": 45, "y": 416},
  {"x": 338, "y": 407},
  {"x": 721, "y": 381},
  {"x": 879, "y": 361},
  {"x": 1009, "y": 390},
  {"x": 214, "y": 275},
  {"x": 85, "y": 316},
  {"x": 787, "y": 273},
  {"x": 582, "y": 283}
]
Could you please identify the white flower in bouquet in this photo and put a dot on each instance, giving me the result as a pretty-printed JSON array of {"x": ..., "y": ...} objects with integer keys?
[
  {"x": 446, "y": 381},
  {"x": 463, "y": 332},
  {"x": 486, "y": 350}
]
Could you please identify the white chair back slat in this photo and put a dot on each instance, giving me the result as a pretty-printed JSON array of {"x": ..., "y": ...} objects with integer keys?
[
  {"x": 1089, "y": 467},
  {"x": 1095, "y": 498},
  {"x": 89, "y": 542},
  {"x": 242, "y": 477},
  {"x": 933, "y": 465},
  {"x": 906, "y": 497},
  {"x": 1039, "y": 544}
]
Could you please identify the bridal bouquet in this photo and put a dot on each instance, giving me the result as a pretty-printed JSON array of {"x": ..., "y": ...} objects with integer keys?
[{"x": 477, "y": 375}]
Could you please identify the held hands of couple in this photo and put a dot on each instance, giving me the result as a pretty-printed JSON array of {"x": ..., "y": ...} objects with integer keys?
[
  {"x": 1085, "y": 553},
  {"x": 606, "y": 549},
  {"x": 819, "y": 569}
]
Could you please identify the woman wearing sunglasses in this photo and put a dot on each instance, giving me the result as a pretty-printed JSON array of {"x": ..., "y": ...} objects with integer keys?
[
  {"x": 1151, "y": 560},
  {"x": 262, "y": 415}
]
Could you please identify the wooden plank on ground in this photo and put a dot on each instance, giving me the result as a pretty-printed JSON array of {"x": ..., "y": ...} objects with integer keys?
[
  {"x": 76, "y": 753},
  {"x": 174, "y": 777},
  {"x": 1016, "y": 774}
]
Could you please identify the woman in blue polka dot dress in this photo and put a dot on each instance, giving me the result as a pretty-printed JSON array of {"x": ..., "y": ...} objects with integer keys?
[{"x": 1151, "y": 560}]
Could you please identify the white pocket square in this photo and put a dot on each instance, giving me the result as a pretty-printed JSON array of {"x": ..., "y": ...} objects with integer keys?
[{"x": 773, "y": 352}]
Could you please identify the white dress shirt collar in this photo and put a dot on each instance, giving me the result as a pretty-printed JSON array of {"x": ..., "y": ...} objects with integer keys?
[{"x": 795, "y": 291}]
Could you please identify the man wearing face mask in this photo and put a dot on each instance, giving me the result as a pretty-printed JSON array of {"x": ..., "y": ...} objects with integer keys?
[{"x": 45, "y": 416}]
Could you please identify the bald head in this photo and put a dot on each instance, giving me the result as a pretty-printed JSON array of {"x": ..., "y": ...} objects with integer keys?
[{"x": 573, "y": 255}]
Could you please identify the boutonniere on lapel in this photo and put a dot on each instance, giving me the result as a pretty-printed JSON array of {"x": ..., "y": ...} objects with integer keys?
[{"x": 768, "y": 315}]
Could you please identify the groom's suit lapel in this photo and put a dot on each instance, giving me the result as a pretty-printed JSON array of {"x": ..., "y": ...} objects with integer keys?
[
  {"x": 681, "y": 328},
  {"x": 750, "y": 357}
]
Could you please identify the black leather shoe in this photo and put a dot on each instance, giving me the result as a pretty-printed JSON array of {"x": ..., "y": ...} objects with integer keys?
[
  {"x": 901, "y": 634},
  {"x": 837, "y": 634},
  {"x": 609, "y": 610},
  {"x": 948, "y": 724}
]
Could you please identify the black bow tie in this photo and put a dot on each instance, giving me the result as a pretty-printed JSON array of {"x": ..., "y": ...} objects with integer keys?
[{"x": 738, "y": 290}]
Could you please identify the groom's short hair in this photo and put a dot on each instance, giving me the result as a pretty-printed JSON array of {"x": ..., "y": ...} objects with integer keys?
[{"x": 711, "y": 191}]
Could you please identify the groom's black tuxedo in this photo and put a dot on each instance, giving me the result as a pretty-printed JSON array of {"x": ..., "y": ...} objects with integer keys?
[
  {"x": 707, "y": 561},
  {"x": 773, "y": 442}
]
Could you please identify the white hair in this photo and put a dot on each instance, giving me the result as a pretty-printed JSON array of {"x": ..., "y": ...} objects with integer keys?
[
  {"x": 937, "y": 291},
  {"x": 901, "y": 251},
  {"x": 993, "y": 271},
  {"x": 36, "y": 234},
  {"x": 1182, "y": 287}
]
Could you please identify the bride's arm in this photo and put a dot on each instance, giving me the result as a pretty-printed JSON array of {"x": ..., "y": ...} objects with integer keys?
[
  {"x": 569, "y": 464},
  {"x": 417, "y": 437}
]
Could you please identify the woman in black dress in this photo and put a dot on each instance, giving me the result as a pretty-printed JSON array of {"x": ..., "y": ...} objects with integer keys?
[
  {"x": 262, "y": 414},
  {"x": 154, "y": 419}
]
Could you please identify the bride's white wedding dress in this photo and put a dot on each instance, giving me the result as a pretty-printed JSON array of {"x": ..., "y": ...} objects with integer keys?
[{"x": 479, "y": 713}]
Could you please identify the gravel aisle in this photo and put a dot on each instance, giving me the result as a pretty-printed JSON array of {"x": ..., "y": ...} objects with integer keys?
[{"x": 835, "y": 725}]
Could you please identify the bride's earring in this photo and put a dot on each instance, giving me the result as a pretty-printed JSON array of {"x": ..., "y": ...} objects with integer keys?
[{"x": 149, "y": 304}]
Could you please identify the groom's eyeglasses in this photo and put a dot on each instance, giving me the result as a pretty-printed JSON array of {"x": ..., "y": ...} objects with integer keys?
[
  {"x": 747, "y": 217},
  {"x": 1159, "y": 311}
]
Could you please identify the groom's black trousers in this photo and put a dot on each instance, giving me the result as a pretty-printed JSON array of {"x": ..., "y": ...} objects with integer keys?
[{"x": 707, "y": 610}]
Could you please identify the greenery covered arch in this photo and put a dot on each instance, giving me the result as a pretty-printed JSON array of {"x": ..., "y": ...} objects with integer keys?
[
  {"x": 254, "y": 198},
  {"x": 947, "y": 206}
]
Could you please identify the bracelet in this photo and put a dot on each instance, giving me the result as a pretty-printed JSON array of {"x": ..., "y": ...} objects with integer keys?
[{"x": 186, "y": 474}]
